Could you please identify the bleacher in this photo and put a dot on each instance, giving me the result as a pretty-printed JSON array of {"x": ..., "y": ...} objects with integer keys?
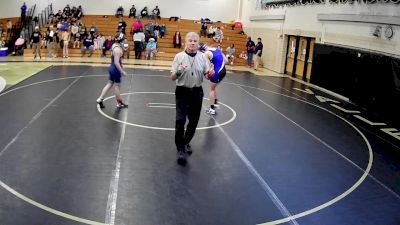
[{"x": 166, "y": 51}]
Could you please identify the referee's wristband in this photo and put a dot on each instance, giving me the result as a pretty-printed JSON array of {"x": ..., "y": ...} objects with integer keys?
[{"x": 178, "y": 73}]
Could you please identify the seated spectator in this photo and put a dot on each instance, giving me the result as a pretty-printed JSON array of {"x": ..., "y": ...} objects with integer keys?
[
  {"x": 121, "y": 25},
  {"x": 100, "y": 41},
  {"x": 163, "y": 30},
  {"x": 243, "y": 55},
  {"x": 144, "y": 13},
  {"x": 93, "y": 30},
  {"x": 151, "y": 49},
  {"x": 175, "y": 18},
  {"x": 132, "y": 12},
  {"x": 88, "y": 44},
  {"x": 107, "y": 46},
  {"x": 149, "y": 27},
  {"x": 230, "y": 53},
  {"x": 156, "y": 13},
  {"x": 79, "y": 13},
  {"x": 77, "y": 41},
  {"x": 125, "y": 48},
  {"x": 138, "y": 39},
  {"x": 177, "y": 40},
  {"x": 2, "y": 42},
  {"x": 211, "y": 32},
  {"x": 9, "y": 26},
  {"x": 74, "y": 30},
  {"x": 156, "y": 30},
  {"x": 203, "y": 30},
  {"x": 219, "y": 35},
  {"x": 67, "y": 10},
  {"x": 83, "y": 32},
  {"x": 120, "y": 12},
  {"x": 19, "y": 46},
  {"x": 1, "y": 29}
]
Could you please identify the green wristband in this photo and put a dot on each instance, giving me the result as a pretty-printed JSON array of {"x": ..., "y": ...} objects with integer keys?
[{"x": 178, "y": 73}]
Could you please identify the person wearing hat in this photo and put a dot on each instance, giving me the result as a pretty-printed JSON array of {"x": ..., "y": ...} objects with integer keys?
[
  {"x": 35, "y": 39},
  {"x": 151, "y": 48},
  {"x": 115, "y": 71}
]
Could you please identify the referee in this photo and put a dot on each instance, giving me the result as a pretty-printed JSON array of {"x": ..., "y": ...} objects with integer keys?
[{"x": 188, "y": 70}]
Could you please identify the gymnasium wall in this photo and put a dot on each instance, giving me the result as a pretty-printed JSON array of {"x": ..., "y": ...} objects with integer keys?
[
  {"x": 302, "y": 21},
  {"x": 223, "y": 10}
]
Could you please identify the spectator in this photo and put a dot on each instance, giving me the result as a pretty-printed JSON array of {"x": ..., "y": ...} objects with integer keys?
[
  {"x": 51, "y": 41},
  {"x": 258, "y": 52},
  {"x": 100, "y": 41},
  {"x": 210, "y": 31},
  {"x": 83, "y": 32},
  {"x": 137, "y": 25},
  {"x": 107, "y": 46},
  {"x": 121, "y": 25},
  {"x": 177, "y": 40},
  {"x": 243, "y": 55},
  {"x": 151, "y": 49},
  {"x": 218, "y": 35},
  {"x": 149, "y": 27},
  {"x": 88, "y": 45},
  {"x": 77, "y": 42},
  {"x": 250, "y": 50},
  {"x": 156, "y": 30},
  {"x": 74, "y": 30},
  {"x": 23, "y": 13},
  {"x": 9, "y": 26},
  {"x": 144, "y": 13},
  {"x": 156, "y": 13},
  {"x": 120, "y": 12},
  {"x": 132, "y": 12},
  {"x": 125, "y": 48},
  {"x": 19, "y": 46},
  {"x": 65, "y": 42},
  {"x": 175, "y": 18},
  {"x": 163, "y": 30},
  {"x": 35, "y": 41},
  {"x": 79, "y": 13},
  {"x": 203, "y": 31},
  {"x": 230, "y": 53},
  {"x": 1, "y": 29},
  {"x": 138, "y": 39},
  {"x": 67, "y": 11},
  {"x": 93, "y": 30}
]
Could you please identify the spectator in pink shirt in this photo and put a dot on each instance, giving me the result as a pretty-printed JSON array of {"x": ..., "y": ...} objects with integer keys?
[{"x": 136, "y": 26}]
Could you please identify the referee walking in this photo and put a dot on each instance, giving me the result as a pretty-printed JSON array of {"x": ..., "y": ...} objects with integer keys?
[{"x": 188, "y": 70}]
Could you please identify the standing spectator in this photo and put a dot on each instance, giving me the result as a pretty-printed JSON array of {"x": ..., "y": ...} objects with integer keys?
[
  {"x": 156, "y": 12},
  {"x": 230, "y": 53},
  {"x": 177, "y": 40},
  {"x": 188, "y": 69},
  {"x": 250, "y": 50},
  {"x": 132, "y": 12},
  {"x": 79, "y": 12},
  {"x": 23, "y": 13},
  {"x": 35, "y": 41},
  {"x": 138, "y": 39},
  {"x": 121, "y": 25},
  {"x": 120, "y": 12},
  {"x": 136, "y": 26},
  {"x": 65, "y": 38},
  {"x": 88, "y": 44},
  {"x": 163, "y": 30},
  {"x": 144, "y": 13},
  {"x": 258, "y": 53}
]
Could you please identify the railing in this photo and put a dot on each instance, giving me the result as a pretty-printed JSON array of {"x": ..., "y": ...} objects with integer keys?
[{"x": 265, "y": 4}]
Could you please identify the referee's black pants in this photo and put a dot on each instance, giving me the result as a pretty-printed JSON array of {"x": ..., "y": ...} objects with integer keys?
[{"x": 188, "y": 104}]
